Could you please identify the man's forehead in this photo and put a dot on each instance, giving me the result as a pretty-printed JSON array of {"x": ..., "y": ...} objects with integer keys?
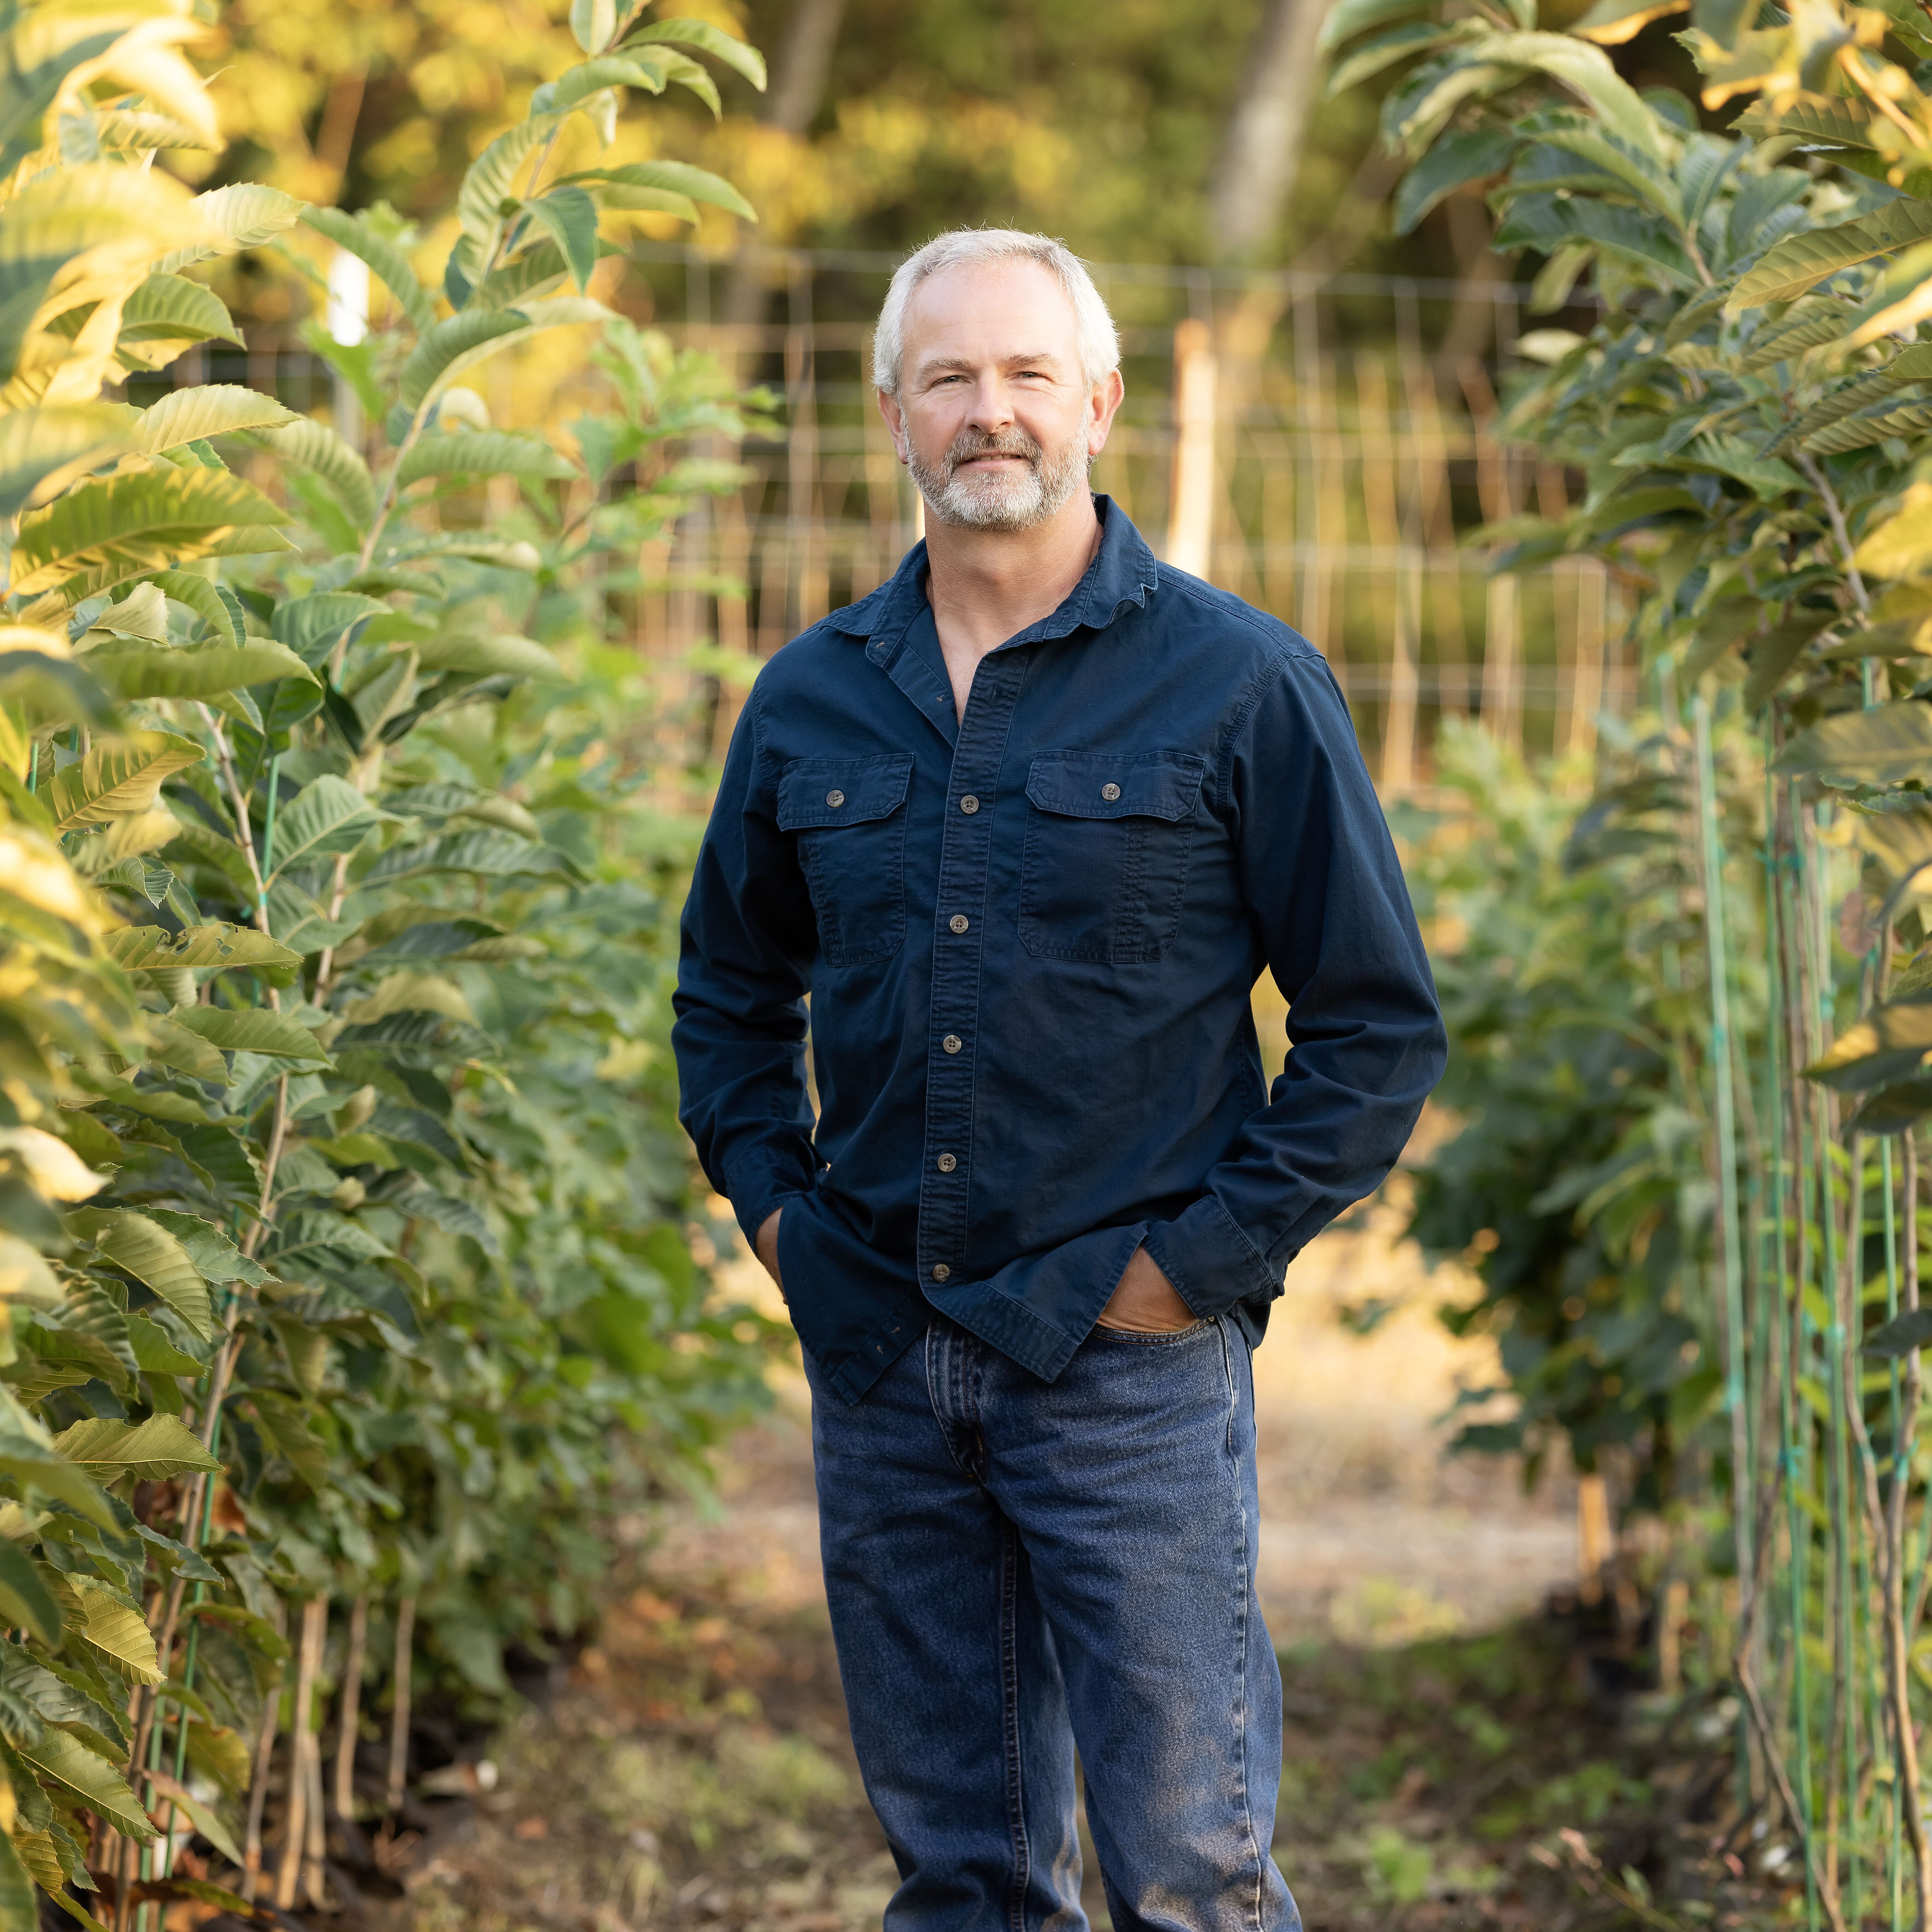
[{"x": 1000, "y": 311}]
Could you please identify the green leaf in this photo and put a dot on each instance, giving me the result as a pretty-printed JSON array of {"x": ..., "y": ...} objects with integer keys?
[
  {"x": 1881, "y": 746},
  {"x": 43, "y": 451},
  {"x": 593, "y": 22},
  {"x": 30, "y": 1463},
  {"x": 204, "y": 1817},
  {"x": 353, "y": 233},
  {"x": 486, "y": 186},
  {"x": 489, "y": 657},
  {"x": 202, "y": 598},
  {"x": 118, "y": 776},
  {"x": 216, "y": 409},
  {"x": 594, "y": 76},
  {"x": 25, "y": 1600},
  {"x": 491, "y": 452},
  {"x": 1610, "y": 23},
  {"x": 151, "y": 1451},
  {"x": 243, "y": 216},
  {"x": 111, "y": 1626},
  {"x": 327, "y": 816},
  {"x": 1545, "y": 222},
  {"x": 254, "y": 1030},
  {"x": 1454, "y": 160},
  {"x": 143, "y": 948},
  {"x": 1801, "y": 261},
  {"x": 1901, "y": 546},
  {"x": 1901, "y": 1335},
  {"x": 675, "y": 177},
  {"x": 1844, "y": 122},
  {"x": 735, "y": 53},
  {"x": 315, "y": 447},
  {"x": 213, "y": 1253},
  {"x": 487, "y": 854},
  {"x": 156, "y": 1355},
  {"x": 143, "y": 521},
  {"x": 1347, "y": 18},
  {"x": 203, "y": 673},
  {"x": 1384, "y": 51},
  {"x": 310, "y": 625},
  {"x": 571, "y": 216},
  {"x": 146, "y": 1249},
  {"x": 169, "y": 310},
  {"x": 20, "y": 1911},
  {"x": 284, "y": 1424},
  {"x": 92, "y": 1779},
  {"x": 449, "y": 348}
]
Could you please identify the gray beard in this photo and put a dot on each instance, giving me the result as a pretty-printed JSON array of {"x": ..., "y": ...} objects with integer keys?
[{"x": 998, "y": 500}]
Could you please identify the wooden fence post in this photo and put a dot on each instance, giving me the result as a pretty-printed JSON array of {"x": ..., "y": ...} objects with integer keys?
[{"x": 1190, "y": 514}]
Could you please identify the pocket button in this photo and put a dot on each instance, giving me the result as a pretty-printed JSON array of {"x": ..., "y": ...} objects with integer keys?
[
  {"x": 1110, "y": 792},
  {"x": 835, "y": 798}
]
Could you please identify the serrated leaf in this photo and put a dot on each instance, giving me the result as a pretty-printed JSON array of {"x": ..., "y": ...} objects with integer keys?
[
  {"x": 114, "y": 1628},
  {"x": 677, "y": 178},
  {"x": 352, "y": 231},
  {"x": 486, "y": 184},
  {"x": 207, "y": 672},
  {"x": 33, "y": 1463},
  {"x": 155, "y": 1354},
  {"x": 243, "y": 216},
  {"x": 204, "y": 1817},
  {"x": 452, "y": 347},
  {"x": 143, "y": 948},
  {"x": 110, "y": 528},
  {"x": 91, "y": 1778},
  {"x": 488, "y": 854},
  {"x": 25, "y": 1600},
  {"x": 146, "y": 1249},
  {"x": 483, "y": 453},
  {"x": 19, "y": 1910},
  {"x": 311, "y": 626},
  {"x": 1801, "y": 261},
  {"x": 327, "y": 816},
  {"x": 594, "y": 76},
  {"x": 216, "y": 1257},
  {"x": 151, "y": 1451},
  {"x": 43, "y": 451},
  {"x": 489, "y": 657},
  {"x": 166, "y": 314},
  {"x": 315, "y": 447},
  {"x": 1881, "y": 746},
  {"x": 1845, "y": 122},
  {"x": 570, "y": 216},
  {"x": 257, "y": 1029},
  {"x": 216, "y": 409},
  {"x": 737, "y": 55},
  {"x": 118, "y": 776}
]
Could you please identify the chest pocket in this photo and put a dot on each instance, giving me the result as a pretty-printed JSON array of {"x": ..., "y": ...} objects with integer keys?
[
  {"x": 849, "y": 817},
  {"x": 1107, "y": 841}
]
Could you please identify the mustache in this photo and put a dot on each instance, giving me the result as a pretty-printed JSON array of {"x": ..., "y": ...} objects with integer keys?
[{"x": 971, "y": 443}]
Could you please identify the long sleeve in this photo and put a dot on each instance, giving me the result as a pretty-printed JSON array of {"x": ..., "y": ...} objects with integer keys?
[
  {"x": 1324, "y": 887},
  {"x": 746, "y": 943}
]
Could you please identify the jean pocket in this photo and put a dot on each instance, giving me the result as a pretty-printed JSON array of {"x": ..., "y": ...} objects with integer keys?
[
  {"x": 849, "y": 816},
  {"x": 1107, "y": 837},
  {"x": 1141, "y": 1338}
]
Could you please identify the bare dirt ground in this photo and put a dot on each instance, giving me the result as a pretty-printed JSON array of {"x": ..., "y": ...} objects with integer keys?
[{"x": 1443, "y": 1735}]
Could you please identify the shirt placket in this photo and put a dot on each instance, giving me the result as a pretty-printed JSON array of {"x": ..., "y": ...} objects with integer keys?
[{"x": 973, "y": 805}]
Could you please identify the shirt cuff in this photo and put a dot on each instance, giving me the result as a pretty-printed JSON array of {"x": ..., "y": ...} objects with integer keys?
[
  {"x": 1211, "y": 1263},
  {"x": 763, "y": 1181}
]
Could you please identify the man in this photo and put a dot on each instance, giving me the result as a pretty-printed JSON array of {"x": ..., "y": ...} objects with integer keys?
[{"x": 1026, "y": 825}]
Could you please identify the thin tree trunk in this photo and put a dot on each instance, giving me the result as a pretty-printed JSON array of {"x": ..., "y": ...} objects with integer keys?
[
  {"x": 294, "y": 1835},
  {"x": 258, "y": 1787},
  {"x": 399, "y": 1718},
  {"x": 1256, "y": 173},
  {"x": 351, "y": 1713}
]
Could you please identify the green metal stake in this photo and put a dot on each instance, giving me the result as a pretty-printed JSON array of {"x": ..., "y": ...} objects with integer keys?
[{"x": 269, "y": 841}]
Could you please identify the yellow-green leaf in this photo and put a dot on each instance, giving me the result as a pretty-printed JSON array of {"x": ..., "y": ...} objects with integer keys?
[
  {"x": 145, "y": 948},
  {"x": 153, "y": 1450},
  {"x": 91, "y": 1778},
  {"x": 118, "y": 776},
  {"x": 148, "y": 1252}
]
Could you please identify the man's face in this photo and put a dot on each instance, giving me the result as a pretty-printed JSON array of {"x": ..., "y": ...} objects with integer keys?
[{"x": 993, "y": 417}]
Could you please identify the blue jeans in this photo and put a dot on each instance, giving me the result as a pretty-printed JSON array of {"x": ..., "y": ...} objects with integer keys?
[{"x": 1017, "y": 1569}]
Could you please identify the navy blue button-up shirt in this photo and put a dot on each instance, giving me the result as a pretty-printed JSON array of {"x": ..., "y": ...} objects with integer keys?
[{"x": 1022, "y": 944}]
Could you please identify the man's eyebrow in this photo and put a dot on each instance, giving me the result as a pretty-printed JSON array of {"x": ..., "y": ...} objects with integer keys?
[{"x": 941, "y": 364}]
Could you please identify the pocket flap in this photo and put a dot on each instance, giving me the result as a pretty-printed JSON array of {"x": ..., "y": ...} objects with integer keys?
[
  {"x": 1116, "y": 784},
  {"x": 842, "y": 791}
]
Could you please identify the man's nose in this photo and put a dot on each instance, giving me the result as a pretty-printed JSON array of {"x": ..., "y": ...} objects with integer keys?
[{"x": 992, "y": 403}]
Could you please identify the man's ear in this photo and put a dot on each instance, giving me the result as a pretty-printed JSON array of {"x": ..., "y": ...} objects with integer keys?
[
  {"x": 895, "y": 416},
  {"x": 1102, "y": 407}
]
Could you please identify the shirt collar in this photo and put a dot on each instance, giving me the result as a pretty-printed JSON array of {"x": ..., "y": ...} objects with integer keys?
[{"x": 1123, "y": 571}]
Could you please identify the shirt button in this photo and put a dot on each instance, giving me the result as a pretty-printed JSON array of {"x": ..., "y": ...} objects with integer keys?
[
  {"x": 941, "y": 1272},
  {"x": 959, "y": 922},
  {"x": 1110, "y": 792},
  {"x": 947, "y": 1162},
  {"x": 969, "y": 805},
  {"x": 952, "y": 1043},
  {"x": 835, "y": 798}
]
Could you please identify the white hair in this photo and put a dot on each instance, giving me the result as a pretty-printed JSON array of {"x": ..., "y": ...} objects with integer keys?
[{"x": 1098, "y": 345}]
